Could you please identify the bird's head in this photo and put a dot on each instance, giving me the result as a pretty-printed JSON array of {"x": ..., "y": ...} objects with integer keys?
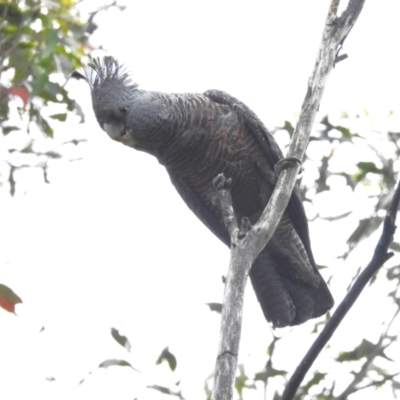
[{"x": 112, "y": 91}]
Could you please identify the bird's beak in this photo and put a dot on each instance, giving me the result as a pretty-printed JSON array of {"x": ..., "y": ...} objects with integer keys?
[
  {"x": 118, "y": 132},
  {"x": 115, "y": 131}
]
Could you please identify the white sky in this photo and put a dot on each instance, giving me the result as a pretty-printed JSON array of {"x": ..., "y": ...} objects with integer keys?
[{"x": 110, "y": 244}]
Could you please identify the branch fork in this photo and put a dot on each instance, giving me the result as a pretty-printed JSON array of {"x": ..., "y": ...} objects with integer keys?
[{"x": 246, "y": 247}]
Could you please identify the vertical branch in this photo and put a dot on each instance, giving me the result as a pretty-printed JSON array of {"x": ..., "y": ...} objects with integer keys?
[
  {"x": 231, "y": 324},
  {"x": 231, "y": 317},
  {"x": 245, "y": 249},
  {"x": 335, "y": 32}
]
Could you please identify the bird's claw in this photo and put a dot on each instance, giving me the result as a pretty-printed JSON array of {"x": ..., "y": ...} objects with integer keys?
[
  {"x": 221, "y": 183},
  {"x": 245, "y": 226},
  {"x": 284, "y": 163}
]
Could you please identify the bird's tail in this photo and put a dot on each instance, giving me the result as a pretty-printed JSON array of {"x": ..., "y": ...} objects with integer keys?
[{"x": 286, "y": 301}]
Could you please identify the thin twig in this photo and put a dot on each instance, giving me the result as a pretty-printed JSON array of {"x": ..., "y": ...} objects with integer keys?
[
  {"x": 379, "y": 382},
  {"x": 381, "y": 255}
]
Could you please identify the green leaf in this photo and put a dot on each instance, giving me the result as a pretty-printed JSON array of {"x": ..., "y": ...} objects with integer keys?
[
  {"x": 368, "y": 166},
  {"x": 8, "y": 299},
  {"x": 288, "y": 127},
  {"x": 395, "y": 246},
  {"x": 395, "y": 385},
  {"x": 317, "y": 378},
  {"x": 52, "y": 154},
  {"x": 77, "y": 109},
  {"x": 217, "y": 307},
  {"x": 323, "y": 174},
  {"x": 263, "y": 376},
  {"x": 393, "y": 272},
  {"x": 117, "y": 363},
  {"x": 344, "y": 131},
  {"x": 243, "y": 381},
  {"x": 44, "y": 125},
  {"x": 362, "y": 350},
  {"x": 346, "y": 136},
  {"x": 26, "y": 45},
  {"x": 364, "y": 229},
  {"x": 7, "y": 129},
  {"x": 122, "y": 340},
  {"x": 51, "y": 40},
  {"x": 9, "y": 29},
  {"x": 337, "y": 217},
  {"x": 165, "y": 390},
  {"x": 27, "y": 149},
  {"x": 60, "y": 117},
  {"x": 166, "y": 355},
  {"x": 240, "y": 381}
]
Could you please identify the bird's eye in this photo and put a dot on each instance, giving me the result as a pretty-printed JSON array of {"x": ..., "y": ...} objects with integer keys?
[{"x": 123, "y": 110}]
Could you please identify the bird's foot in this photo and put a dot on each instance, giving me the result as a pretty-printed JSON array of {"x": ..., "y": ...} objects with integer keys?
[
  {"x": 221, "y": 183},
  {"x": 245, "y": 226},
  {"x": 222, "y": 198},
  {"x": 284, "y": 163}
]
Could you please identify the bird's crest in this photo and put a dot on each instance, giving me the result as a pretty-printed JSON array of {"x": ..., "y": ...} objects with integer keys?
[{"x": 99, "y": 71}]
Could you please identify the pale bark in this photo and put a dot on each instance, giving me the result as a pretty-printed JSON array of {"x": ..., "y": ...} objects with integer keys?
[{"x": 245, "y": 249}]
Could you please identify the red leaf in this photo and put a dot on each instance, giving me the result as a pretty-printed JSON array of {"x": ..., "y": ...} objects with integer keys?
[
  {"x": 8, "y": 299},
  {"x": 21, "y": 92}
]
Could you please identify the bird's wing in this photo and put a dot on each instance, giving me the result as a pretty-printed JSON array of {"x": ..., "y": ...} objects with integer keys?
[
  {"x": 273, "y": 154},
  {"x": 204, "y": 213}
]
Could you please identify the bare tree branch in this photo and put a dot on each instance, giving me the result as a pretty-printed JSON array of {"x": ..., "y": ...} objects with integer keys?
[
  {"x": 381, "y": 255},
  {"x": 235, "y": 283},
  {"x": 376, "y": 383},
  {"x": 223, "y": 199},
  {"x": 246, "y": 249}
]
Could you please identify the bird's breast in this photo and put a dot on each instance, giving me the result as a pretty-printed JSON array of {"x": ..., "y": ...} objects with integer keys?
[{"x": 200, "y": 155}]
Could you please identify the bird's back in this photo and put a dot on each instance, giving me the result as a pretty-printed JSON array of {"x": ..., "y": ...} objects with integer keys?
[{"x": 216, "y": 139}]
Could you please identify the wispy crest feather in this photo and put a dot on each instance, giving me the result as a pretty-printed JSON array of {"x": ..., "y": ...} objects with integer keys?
[{"x": 99, "y": 71}]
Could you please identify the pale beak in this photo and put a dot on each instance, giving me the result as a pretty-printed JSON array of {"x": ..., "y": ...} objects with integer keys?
[{"x": 115, "y": 131}]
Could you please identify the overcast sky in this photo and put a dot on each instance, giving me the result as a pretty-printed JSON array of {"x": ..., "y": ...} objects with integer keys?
[{"x": 110, "y": 244}]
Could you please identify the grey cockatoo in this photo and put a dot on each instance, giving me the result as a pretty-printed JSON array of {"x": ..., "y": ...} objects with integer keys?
[{"x": 198, "y": 136}]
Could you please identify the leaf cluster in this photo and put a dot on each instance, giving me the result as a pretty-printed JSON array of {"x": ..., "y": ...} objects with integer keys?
[{"x": 41, "y": 43}]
